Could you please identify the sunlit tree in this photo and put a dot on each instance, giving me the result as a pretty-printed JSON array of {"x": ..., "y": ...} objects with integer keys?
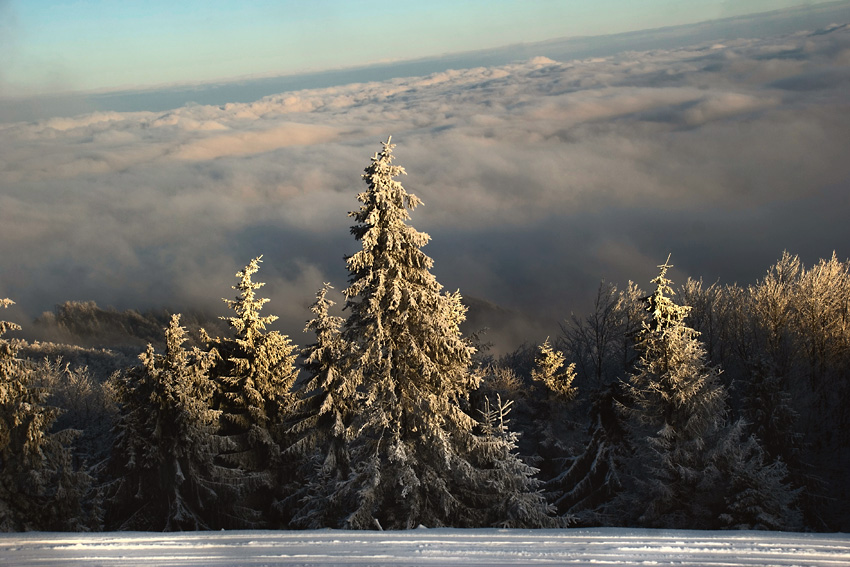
[
  {"x": 692, "y": 456},
  {"x": 413, "y": 442},
  {"x": 254, "y": 376},
  {"x": 549, "y": 370}
]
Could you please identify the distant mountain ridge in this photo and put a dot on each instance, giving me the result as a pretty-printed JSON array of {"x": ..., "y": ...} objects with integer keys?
[{"x": 85, "y": 325}]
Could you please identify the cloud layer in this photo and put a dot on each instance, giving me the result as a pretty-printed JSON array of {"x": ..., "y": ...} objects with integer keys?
[{"x": 539, "y": 179}]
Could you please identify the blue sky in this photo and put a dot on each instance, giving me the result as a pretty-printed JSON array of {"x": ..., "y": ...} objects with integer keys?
[{"x": 48, "y": 46}]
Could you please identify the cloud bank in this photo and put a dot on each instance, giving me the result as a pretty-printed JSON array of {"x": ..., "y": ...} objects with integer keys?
[{"x": 539, "y": 179}]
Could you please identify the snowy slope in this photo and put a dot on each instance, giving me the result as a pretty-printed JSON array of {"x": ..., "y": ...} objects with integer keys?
[{"x": 604, "y": 546}]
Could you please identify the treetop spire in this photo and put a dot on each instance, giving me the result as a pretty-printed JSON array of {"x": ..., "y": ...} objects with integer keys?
[{"x": 666, "y": 265}]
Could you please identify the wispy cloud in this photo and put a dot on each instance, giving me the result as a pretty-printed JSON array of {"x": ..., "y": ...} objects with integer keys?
[{"x": 539, "y": 179}]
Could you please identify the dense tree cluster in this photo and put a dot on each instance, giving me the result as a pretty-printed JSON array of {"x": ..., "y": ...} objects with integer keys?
[
  {"x": 695, "y": 406},
  {"x": 40, "y": 489}
]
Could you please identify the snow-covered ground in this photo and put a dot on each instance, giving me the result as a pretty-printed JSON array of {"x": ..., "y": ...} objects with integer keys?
[{"x": 600, "y": 547}]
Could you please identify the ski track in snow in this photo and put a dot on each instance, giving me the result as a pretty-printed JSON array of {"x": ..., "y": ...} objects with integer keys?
[{"x": 597, "y": 547}]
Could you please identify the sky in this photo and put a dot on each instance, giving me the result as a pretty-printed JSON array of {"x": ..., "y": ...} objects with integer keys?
[
  {"x": 51, "y": 46},
  {"x": 543, "y": 170}
]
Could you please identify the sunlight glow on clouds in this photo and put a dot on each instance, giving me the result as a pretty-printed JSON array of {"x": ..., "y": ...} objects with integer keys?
[{"x": 539, "y": 179}]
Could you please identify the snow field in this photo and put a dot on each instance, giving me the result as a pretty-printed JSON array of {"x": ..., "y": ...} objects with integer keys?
[{"x": 598, "y": 547}]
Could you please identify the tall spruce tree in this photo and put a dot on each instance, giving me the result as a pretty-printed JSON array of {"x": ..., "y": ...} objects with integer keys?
[
  {"x": 412, "y": 447},
  {"x": 254, "y": 374},
  {"x": 40, "y": 489},
  {"x": 163, "y": 475},
  {"x": 681, "y": 403},
  {"x": 414, "y": 368}
]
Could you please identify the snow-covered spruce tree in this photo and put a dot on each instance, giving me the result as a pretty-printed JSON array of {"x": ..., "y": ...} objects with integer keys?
[
  {"x": 412, "y": 450},
  {"x": 680, "y": 402},
  {"x": 163, "y": 475},
  {"x": 39, "y": 487},
  {"x": 517, "y": 501},
  {"x": 757, "y": 494},
  {"x": 325, "y": 402},
  {"x": 692, "y": 457},
  {"x": 254, "y": 373}
]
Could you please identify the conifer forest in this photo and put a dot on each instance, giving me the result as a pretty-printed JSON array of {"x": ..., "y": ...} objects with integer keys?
[{"x": 668, "y": 404}]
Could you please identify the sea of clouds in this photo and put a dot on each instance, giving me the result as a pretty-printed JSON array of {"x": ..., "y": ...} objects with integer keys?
[{"x": 539, "y": 178}]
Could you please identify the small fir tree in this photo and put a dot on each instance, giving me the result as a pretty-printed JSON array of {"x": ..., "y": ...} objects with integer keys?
[
  {"x": 325, "y": 402},
  {"x": 257, "y": 367},
  {"x": 758, "y": 495},
  {"x": 548, "y": 369},
  {"x": 164, "y": 478},
  {"x": 518, "y": 501},
  {"x": 767, "y": 407}
]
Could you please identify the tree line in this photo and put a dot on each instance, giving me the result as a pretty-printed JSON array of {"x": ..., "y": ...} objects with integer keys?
[{"x": 695, "y": 406}]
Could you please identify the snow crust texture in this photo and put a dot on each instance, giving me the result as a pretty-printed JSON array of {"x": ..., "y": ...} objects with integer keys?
[{"x": 603, "y": 546}]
